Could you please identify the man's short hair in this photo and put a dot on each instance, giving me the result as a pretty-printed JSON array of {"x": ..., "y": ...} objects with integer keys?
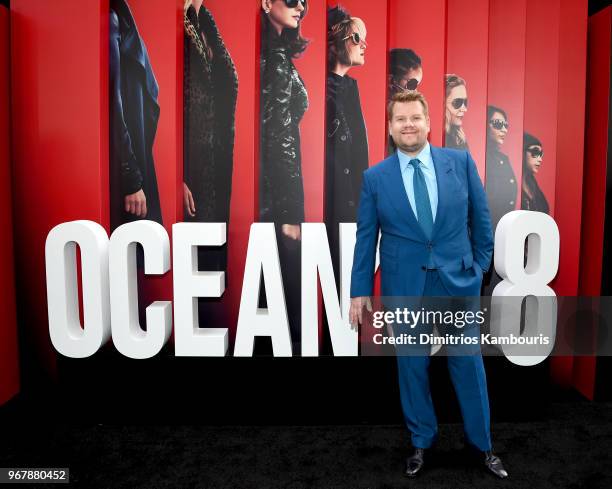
[{"x": 405, "y": 97}]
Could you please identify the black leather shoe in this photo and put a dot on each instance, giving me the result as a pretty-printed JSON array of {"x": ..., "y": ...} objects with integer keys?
[
  {"x": 494, "y": 465},
  {"x": 414, "y": 463}
]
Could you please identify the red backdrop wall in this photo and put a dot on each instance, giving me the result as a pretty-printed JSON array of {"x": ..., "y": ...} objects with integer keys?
[
  {"x": 59, "y": 69},
  {"x": 527, "y": 57}
]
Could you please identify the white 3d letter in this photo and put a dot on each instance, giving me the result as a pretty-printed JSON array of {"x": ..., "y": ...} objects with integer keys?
[
  {"x": 316, "y": 258},
  {"x": 67, "y": 335},
  {"x": 128, "y": 337},
  {"x": 189, "y": 284},
  {"x": 529, "y": 281},
  {"x": 262, "y": 255}
]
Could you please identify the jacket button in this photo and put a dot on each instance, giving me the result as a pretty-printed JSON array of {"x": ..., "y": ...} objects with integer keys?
[
  {"x": 347, "y": 171},
  {"x": 511, "y": 202},
  {"x": 343, "y": 137},
  {"x": 351, "y": 203},
  {"x": 512, "y": 180}
]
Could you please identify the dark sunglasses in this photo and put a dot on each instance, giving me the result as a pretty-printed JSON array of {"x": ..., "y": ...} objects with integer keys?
[
  {"x": 355, "y": 37},
  {"x": 499, "y": 124},
  {"x": 294, "y": 3},
  {"x": 411, "y": 84},
  {"x": 458, "y": 102},
  {"x": 535, "y": 152}
]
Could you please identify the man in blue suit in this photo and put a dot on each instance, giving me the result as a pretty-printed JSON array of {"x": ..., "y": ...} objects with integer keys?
[{"x": 436, "y": 240}]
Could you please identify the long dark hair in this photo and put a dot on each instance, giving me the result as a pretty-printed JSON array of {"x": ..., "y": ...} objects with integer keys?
[
  {"x": 529, "y": 179},
  {"x": 290, "y": 39}
]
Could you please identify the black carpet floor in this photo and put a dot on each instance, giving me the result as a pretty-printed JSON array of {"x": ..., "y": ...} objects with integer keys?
[{"x": 571, "y": 449}]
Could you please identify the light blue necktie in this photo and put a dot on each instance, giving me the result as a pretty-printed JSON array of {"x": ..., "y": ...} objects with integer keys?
[{"x": 421, "y": 199}]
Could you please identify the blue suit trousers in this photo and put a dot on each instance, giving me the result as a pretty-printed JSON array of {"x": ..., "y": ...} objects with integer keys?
[{"x": 469, "y": 380}]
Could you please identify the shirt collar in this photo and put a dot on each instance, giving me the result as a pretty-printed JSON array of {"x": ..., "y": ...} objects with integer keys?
[{"x": 424, "y": 156}]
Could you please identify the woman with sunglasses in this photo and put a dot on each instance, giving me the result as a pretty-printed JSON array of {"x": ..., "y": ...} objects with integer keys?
[
  {"x": 456, "y": 107},
  {"x": 532, "y": 197},
  {"x": 346, "y": 151},
  {"x": 283, "y": 102},
  {"x": 501, "y": 185}
]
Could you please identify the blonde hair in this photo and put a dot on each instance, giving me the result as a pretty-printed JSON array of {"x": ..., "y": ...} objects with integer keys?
[{"x": 405, "y": 97}]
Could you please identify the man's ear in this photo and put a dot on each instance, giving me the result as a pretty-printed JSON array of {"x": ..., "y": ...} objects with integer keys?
[{"x": 265, "y": 4}]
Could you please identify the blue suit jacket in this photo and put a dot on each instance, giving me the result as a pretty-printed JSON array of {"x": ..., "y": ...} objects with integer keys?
[{"x": 462, "y": 238}]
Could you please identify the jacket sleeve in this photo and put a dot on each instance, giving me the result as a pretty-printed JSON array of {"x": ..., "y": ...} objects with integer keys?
[
  {"x": 121, "y": 144},
  {"x": 481, "y": 232},
  {"x": 362, "y": 276},
  {"x": 281, "y": 158}
]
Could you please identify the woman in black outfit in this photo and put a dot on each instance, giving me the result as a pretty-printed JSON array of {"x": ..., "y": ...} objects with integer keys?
[
  {"x": 500, "y": 185},
  {"x": 210, "y": 88},
  {"x": 456, "y": 107},
  {"x": 346, "y": 152},
  {"x": 532, "y": 197},
  {"x": 283, "y": 102}
]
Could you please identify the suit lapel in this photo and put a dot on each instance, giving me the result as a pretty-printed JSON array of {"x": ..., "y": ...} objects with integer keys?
[
  {"x": 394, "y": 184},
  {"x": 443, "y": 177}
]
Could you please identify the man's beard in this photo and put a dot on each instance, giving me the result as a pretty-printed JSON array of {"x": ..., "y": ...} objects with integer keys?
[{"x": 410, "y": 148}]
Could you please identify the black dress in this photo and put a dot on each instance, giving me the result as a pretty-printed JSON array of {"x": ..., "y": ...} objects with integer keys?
[
  {"x": 134, "y": 114},
  {"x": 210, "y": 90},
  {"x": 346, "y": 157}
]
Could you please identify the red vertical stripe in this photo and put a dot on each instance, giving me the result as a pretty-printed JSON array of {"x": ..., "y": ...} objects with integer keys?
[
  {"x": 570, "y": 151},
  {"x": 312, "y": 68},
  {"x": 60, "y": 139},
  {"x": 421, "y": 26},
  {"x": 467, "y": 56},
  {"x": 9, "y": 366},
  {"x": 507, "y": 73},
  {"x": 595, "y": 173},
  {"x": 541, "y": 85}
]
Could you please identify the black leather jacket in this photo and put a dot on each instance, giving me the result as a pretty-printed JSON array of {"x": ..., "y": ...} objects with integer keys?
[{"x": 283, "y": 102}]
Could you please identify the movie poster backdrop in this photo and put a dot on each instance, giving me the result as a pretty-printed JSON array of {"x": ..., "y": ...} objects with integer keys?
[{"x": 475, "y": 81}]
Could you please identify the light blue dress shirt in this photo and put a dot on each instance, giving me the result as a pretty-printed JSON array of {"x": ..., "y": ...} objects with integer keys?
[{"x": 429, "y": 171}]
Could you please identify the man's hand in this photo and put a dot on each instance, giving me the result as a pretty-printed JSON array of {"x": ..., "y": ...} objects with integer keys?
[
  {"x": 356, "y": 310},
  {"x": 292, "y": 231},
  {"x": 136, "y": 204},
  {"x": 188, "y": 200}
]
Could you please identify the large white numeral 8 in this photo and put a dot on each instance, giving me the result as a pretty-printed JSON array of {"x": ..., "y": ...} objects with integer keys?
[{"x": 530, "y": 281}]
